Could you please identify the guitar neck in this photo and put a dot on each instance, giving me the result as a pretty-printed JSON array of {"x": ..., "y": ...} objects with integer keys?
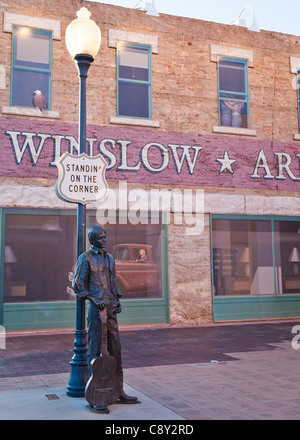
[{"x": 103, "y": 323}]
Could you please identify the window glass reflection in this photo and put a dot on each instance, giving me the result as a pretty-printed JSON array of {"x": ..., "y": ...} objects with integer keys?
[
  {"x": 31, "y": 66},
  {"x": 39, "y": 252},
  {"x": 242, "y": 257}
]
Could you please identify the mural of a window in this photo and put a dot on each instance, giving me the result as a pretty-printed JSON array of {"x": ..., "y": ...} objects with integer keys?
[
  {"x": 233, "y": 94},
  {"x": 40, "y": 255},
  {"x": 287, "y": 256},
  {"x": 134, "y": 84},
  {"x": 31, "y": 66},
  {"x": 255, "y": 257}
]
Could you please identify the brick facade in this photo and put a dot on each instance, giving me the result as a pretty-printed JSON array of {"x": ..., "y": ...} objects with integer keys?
[
  {"x": 184, "y": 77},
  {"x": 185, "y": 107}
]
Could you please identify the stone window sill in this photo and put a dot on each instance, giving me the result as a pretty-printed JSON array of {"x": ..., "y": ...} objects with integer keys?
[
  {"x": 23, "y": 111},
  {"x": 133, "y": 121},
  {"x": 233, "y": 130}
]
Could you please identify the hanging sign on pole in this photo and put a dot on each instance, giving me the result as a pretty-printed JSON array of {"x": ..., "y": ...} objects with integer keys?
[{"x": 81, "y": 178}]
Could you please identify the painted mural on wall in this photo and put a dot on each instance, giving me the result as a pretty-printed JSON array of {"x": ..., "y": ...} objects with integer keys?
[{"x": 31, "y": 149}]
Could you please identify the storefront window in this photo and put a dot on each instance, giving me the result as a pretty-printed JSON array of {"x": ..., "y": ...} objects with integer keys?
[
  {"x": 255, "y": 257},
  {"x": 39, "y": 252},
  {"x": 287, "y": 256},
  {"x": 136, "y": 249}
]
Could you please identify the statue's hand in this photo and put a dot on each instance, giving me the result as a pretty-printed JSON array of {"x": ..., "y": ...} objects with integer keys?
[
  {"x": 100, "y": 303},
  {"x": 118, "y": 309}
]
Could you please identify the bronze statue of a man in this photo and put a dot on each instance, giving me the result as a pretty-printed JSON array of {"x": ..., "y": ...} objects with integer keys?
[{"x": 95, "y": 280}]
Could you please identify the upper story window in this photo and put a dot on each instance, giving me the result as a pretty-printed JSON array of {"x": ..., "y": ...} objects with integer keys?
[
  {"x": 295, "y": 68},
  {"x": 31, "y": 64},
  {"x": 31, "y": 68},
  {"x": 298, "y": 95},
  {"x": 233, "y": 94},
  {"x": 134, "y": 84},
  {"x": 134, "y": 77},
  {"x": 233, "y": 91}
]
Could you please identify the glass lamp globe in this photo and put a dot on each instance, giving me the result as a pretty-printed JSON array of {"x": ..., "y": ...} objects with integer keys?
[{"x": 83, "y": 35}]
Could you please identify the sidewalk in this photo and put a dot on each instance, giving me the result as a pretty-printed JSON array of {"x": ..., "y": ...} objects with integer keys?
[{"x": 192, "y": 375}]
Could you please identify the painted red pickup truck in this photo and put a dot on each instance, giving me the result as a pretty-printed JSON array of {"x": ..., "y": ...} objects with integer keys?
[{"x": 136, "y": 269}]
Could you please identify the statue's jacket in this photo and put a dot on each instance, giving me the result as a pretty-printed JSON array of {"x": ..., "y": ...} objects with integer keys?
[{"x": 95, "y": 277}]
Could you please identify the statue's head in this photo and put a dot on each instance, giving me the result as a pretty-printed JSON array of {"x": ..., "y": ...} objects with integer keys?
[{"x": 97, "y": 236}]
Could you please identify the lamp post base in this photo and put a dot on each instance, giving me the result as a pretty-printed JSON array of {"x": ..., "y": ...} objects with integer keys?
[{"x": 79, "y": 366}]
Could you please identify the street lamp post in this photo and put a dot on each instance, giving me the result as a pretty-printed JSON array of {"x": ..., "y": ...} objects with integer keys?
[{"x": 83, "y": 39}]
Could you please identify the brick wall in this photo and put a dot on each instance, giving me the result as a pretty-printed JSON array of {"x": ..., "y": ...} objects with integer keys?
[{"x": 184, "y": 78}]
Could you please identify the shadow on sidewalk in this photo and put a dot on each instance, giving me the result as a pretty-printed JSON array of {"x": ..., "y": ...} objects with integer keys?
[{"x": 33, "y": 354}]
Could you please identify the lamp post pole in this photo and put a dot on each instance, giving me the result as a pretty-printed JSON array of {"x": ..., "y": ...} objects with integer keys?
[
  {"x": 83, "y": 39},
  {"x": 78, "y": 375}
]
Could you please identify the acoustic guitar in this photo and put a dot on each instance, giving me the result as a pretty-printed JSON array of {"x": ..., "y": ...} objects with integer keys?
[{"x": 102, "y": 388}]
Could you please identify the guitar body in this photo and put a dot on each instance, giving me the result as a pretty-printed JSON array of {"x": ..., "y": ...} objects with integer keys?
[{"x": 102, "y": 388}]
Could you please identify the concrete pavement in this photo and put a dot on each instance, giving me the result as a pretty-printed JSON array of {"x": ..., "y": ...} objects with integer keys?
[
  {"x": 257, "y": 383},
  {"x": 52, "y": 403}
]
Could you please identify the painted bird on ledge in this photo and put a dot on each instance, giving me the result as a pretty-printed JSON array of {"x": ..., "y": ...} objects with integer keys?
[{"x": 39, "y": 101}]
